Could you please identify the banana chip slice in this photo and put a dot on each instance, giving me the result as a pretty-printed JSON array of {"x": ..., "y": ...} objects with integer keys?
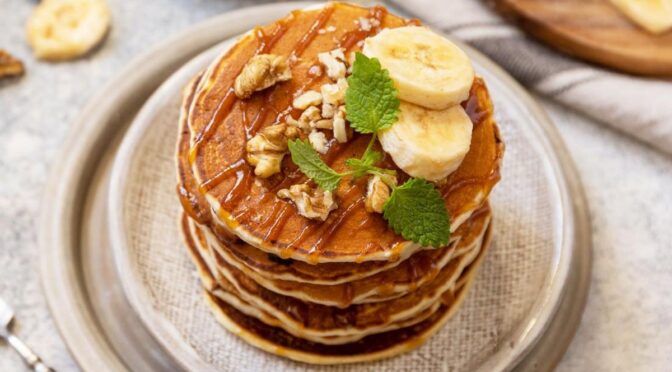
[{"x": 66, "y": 29}]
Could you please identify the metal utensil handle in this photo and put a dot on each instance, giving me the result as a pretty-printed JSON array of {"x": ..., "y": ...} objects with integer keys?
[{"x": 28, "y": 355}]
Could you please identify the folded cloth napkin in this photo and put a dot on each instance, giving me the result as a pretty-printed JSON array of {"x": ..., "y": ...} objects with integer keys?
[{"x": 641, "y": 107}]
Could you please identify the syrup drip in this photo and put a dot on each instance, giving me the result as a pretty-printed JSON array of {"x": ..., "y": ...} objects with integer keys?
[
  {"x": 243, "y": 181},
  {"x": 224, "y": 106},
  {"x": 221, "y": 176},
  {"x": 280, "y": 222},
  {"x": 310, "y": 35},
  {"x": 331, "y": 229}
]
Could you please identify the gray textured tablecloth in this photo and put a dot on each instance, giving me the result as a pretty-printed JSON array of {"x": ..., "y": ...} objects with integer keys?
[{"x": 627, "y": 322}]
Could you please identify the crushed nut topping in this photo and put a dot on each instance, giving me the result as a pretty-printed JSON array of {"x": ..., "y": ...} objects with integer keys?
[
  {"x": 309, "y": 117},
  {"x": 319, "y": 141},
  {"x": 261, "y": 71},
  {"x": 340, "y": 131},
  {"x": 377, "y": 193},
  {"x": 334, "y": 94},
  {"x": 334, "y": 61},
  {"x": 313, "y": 203},
  {"x": 10, "y": 65},
  {"x": 324, "y": 124},
  {"x": 267, "y": 148},
  {"x": 309, "y": 98},
  {"x": 327, "y": 110}
]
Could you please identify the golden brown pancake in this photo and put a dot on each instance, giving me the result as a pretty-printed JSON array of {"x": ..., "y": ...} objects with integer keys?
[
  {"x": 332, "y": 321},
  {"x": 412, "y": 273},
  {"x": 373, "y": 347},
  {"x": 220, "y": 124}
]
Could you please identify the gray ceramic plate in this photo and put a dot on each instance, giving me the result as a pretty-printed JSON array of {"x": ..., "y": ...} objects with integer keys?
[{"x": 83, "y": 288}]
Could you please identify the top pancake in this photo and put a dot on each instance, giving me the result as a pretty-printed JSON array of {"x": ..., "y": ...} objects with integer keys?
[{"x": 220, "y": 124}]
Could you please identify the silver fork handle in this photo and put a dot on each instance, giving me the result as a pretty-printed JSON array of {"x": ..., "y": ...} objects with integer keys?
[{"x": 33, "y": 361}]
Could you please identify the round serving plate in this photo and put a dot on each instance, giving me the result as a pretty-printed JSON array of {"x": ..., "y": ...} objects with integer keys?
[{"x": 108, "y": 326}]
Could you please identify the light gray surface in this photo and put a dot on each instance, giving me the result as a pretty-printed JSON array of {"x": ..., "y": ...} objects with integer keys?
[{"x": 626, "y": 324}]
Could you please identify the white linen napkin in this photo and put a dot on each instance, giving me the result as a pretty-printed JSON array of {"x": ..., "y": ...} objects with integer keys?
[{"x": 638, "y": 106}]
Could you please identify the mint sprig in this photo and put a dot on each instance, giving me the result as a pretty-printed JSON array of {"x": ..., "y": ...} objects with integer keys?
[
  {"x": 371, "y": 102},
  {"x": 417, "y": 211},
  {"x": 310, "y": 163}
]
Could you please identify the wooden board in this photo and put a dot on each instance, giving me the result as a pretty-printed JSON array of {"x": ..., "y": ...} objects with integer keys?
[{"x": 593, "y": 30}]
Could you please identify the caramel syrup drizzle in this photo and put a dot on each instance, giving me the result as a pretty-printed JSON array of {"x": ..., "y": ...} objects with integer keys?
[{"x": 224, "y": 106}]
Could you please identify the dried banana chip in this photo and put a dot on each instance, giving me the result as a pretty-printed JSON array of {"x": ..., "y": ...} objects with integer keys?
[{"x": 66, "y": 29}]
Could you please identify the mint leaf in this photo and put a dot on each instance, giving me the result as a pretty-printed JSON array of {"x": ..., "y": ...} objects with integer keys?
[
  {"x": 362, "y": 166},
  {"x": 371, "y": 102},
  {"x": 417, "y": 211},
  {"x": 310, "y": 163}
]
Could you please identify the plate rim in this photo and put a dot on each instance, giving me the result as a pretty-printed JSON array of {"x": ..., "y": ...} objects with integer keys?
[{"x": 55, "y": 227}]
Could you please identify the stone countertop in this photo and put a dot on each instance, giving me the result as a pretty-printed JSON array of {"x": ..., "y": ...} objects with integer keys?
[{"x": 626, "y": 325}]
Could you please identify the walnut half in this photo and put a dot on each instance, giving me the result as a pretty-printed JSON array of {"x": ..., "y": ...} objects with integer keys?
[
  {"x": 313, "y": 203},
  {"x": 261, "y": 71},
  {"x": 377, "y": 193},
  {"x": 267, "y": 148}
]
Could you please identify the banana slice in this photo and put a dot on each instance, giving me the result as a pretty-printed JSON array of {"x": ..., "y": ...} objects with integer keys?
[
  {"x": 428, "y": 144},
  {"x": 65, "y": 29},
  {"x": 427, "y": 69},
  {"x": 654, "y": 16}
]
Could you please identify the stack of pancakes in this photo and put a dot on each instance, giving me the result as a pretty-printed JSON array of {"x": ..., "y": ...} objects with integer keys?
[{"x": 344, "y": 290}]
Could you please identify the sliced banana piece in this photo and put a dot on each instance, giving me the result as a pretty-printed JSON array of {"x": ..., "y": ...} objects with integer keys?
[
  {"x": 65, "y": 29},
  {"x": 654, "y": 16},
  {"x": 427, "y": 69},
  {"x": 428, "y": 144}
]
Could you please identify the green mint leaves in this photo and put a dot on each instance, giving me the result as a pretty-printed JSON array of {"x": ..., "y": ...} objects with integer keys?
[
  {"x": 371, "y": 101},
  {"x": 417, "y": 211},
  {"x": 310, "y": 163},
  {"x": 362, "y": 166}
]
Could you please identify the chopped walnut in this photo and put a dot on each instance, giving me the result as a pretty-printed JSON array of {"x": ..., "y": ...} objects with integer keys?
[
  {"x": 377, "y": 193},
  {"x": 267, "y": 148},
  {"x": 307, "y": 99},
  {"x": 324, "y": 124},
  {"x": 313, "y": 203},
  {"x": 10, "y": 65},
  {"x": 327, "y": 110},
  {"x": 334, "y": 94},
  {"x": 308, "y": 117},
  {"x": 319, "y": 141},
  {"x": 340, "y": 131},
  {"x": 261, "y": 71},
  {"x": 334, "y": 61},
  {"x": 350, "y": 62}
]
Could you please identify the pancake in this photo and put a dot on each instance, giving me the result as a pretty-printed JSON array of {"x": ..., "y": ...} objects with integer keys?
[
  {"x": 370, "y": 348},
  {"x": 228, "y": 293},
  {"x": 219, "y": 126},
  {"x": 412, "y": 273},
  {"x": 321, "y": 320}
]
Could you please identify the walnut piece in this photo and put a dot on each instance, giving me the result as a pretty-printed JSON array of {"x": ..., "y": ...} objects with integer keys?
[
  {"x": 267, "y": 148},
  {"x": 10, "y": 65},
  {"x": 334, "y": 61},
  {"x": 340, "y": 132},
  {"x": 309, "y": 98},
  {"x": 261, "y": 71},
  {"x": 313, "y": 203},
  {"x": 377, "y": 193},
  {"x": 319, "y": 141}
]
